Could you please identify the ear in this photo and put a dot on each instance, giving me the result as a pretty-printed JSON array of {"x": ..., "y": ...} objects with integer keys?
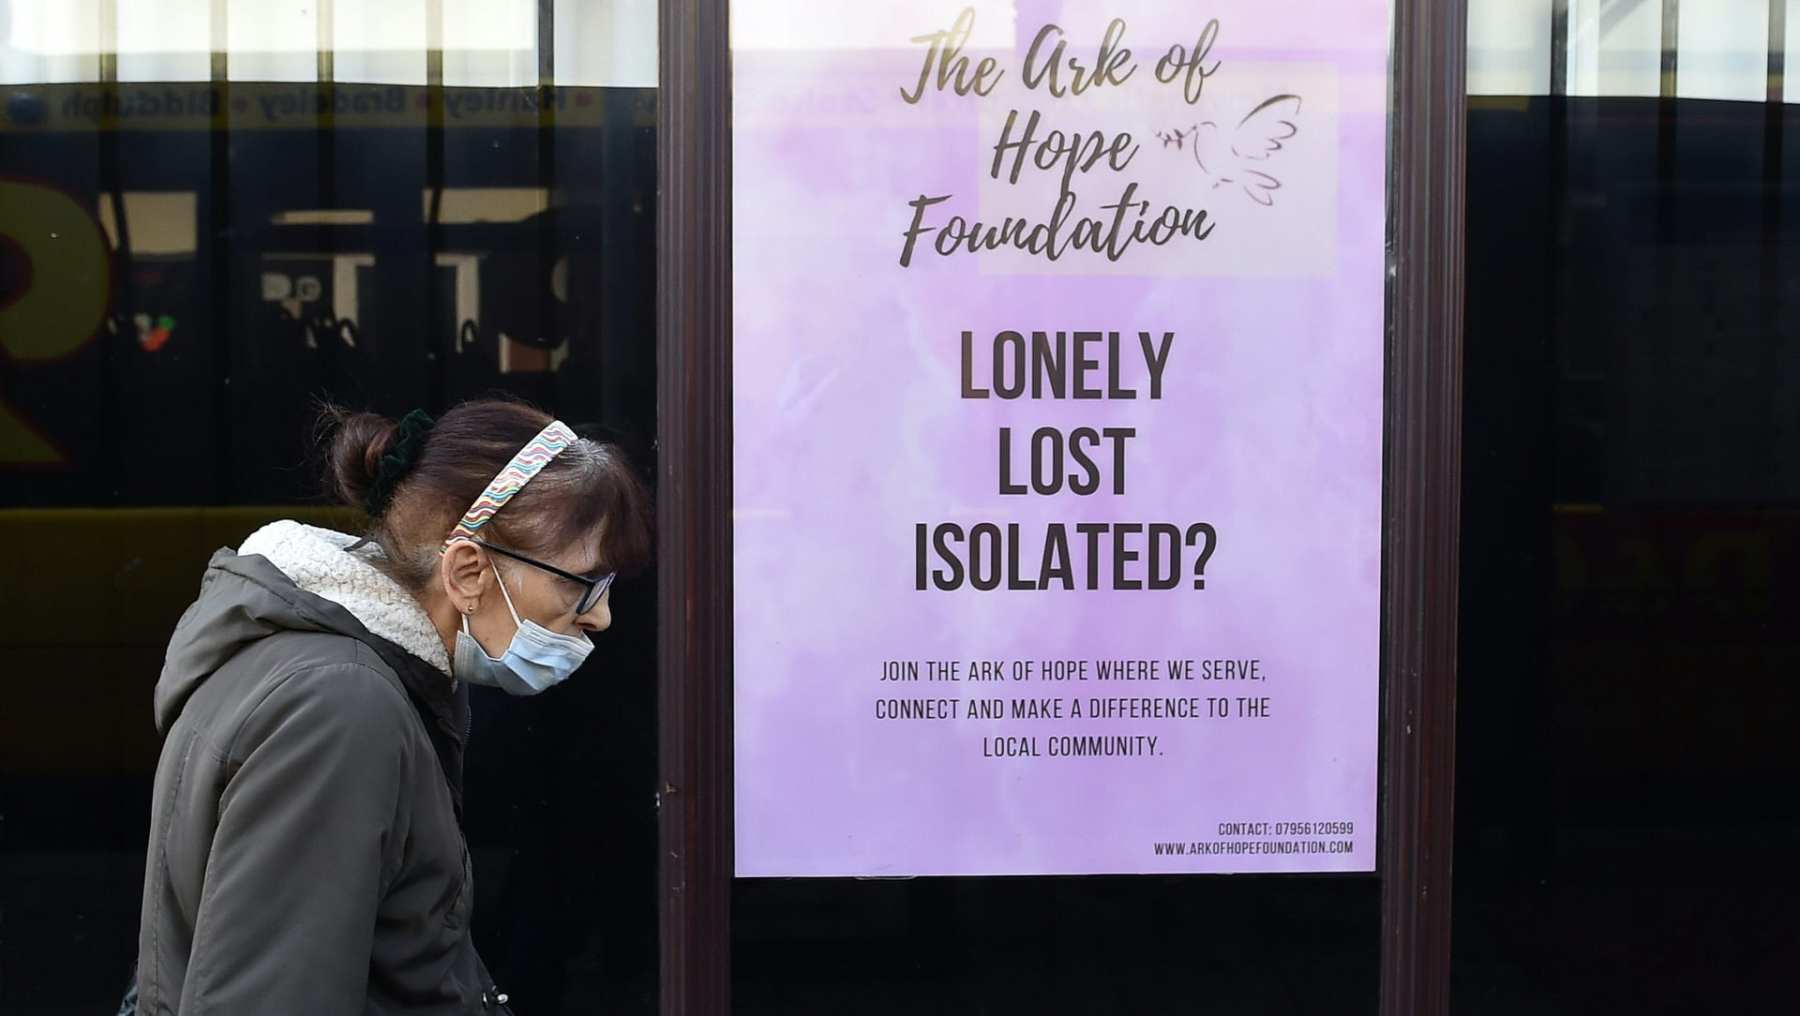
[{"x": 464, "y": 574}]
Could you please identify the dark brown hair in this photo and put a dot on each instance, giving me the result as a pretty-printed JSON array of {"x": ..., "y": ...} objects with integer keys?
[{"x": 588, "y": 492}]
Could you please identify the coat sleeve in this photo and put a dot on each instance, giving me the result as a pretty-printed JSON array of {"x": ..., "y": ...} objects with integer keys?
[{"x": 287, "y": 913}]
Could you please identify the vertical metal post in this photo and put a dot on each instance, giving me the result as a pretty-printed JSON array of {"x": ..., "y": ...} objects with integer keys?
[
  {"x": 1777, "y": 87},
  {"x": 1422, "y": 487},
  {"x": 1559, "y": 47},
  {"x": 437, "y": 349},
  {"x": 219, "y": 253},
  {"x": 549, "y": 316},
  {"x": 1773, "y": 347},
  {"x": 111, "y": 182},
  {"x": 693, "y": 387},
  {"x": 325, "y": 63},
  {"x": 1671, "y": 45}
]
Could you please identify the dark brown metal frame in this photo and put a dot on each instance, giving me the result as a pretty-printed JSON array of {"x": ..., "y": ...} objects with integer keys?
[
  {"x": 1422, "y": 476},
  {"x": 693, "y": 395},
  {"x": 1422, "y": 482}
]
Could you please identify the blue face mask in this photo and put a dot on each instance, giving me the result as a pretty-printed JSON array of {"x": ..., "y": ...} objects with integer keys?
[{"x": 535, "y": 659}]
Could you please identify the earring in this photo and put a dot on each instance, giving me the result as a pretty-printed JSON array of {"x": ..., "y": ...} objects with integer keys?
[{"x": 468, "y": 608}]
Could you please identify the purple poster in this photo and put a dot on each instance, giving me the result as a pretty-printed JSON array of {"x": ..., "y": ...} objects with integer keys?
[{"x": 1057, "y": 413}]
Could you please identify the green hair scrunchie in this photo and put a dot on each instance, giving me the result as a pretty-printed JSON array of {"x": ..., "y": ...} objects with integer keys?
[{"x": 402, "y": 452}]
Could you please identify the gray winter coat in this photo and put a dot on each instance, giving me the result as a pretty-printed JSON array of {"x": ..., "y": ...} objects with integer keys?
[{"x": 306, "y": 851}]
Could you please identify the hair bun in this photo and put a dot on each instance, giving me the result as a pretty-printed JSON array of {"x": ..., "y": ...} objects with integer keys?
[
  {"x": 400, "y": 451},
  {"x": 354, "y": 460},
  {"x": 370, "y": 454}
]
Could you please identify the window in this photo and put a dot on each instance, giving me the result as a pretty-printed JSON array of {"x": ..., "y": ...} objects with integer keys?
[{"x": 213, "y": 215}]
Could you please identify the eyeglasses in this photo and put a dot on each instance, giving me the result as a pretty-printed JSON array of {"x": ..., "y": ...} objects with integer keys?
[{"x": 591, "y": 591}]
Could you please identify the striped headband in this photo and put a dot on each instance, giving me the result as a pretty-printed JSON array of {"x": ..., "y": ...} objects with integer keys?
[{"x": 530, "y": 460}]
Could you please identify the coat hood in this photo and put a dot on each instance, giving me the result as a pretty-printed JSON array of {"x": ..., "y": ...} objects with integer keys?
[{"x": 293, "y": 577}]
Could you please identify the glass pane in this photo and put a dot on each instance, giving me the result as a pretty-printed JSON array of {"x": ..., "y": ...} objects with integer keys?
[
  {"x": 1614, "y": 48},
  {"x": 273, "y": 40},
  {"x": 168, "y": 40},
  {"x": 1040, "y": 945},
  {"x": 593, "y": 42},
  {"x": 383, "y": 43},
  {"x": 951, "y": 767},
  {"x": 186, "y": 269},
  {"x": 490, "y": 42},
  {"x": 1630, "y": 541},
  {"x": 1509, "y": 47},
  {"x": 1724, "y": 49}
]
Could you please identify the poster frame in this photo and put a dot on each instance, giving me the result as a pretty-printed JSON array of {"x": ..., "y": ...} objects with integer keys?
[{"x": 1422, "y": 453}]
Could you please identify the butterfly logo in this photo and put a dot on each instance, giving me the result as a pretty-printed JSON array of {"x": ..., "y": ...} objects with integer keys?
[
  {"x": 1237, "y": 155},
  {"x": 1175, "y": 137}
]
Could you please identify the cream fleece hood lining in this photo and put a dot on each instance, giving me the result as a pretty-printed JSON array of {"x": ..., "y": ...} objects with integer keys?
[{"x": 319, "y": 561}]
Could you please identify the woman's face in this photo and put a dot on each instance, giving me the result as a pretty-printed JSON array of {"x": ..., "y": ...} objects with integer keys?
[
  {"x": 550, "y": 599},
  {"x": 536, "y": 594}
]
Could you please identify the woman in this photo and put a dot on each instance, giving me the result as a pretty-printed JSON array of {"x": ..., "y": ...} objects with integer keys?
[{"x": 306, "y": 850}]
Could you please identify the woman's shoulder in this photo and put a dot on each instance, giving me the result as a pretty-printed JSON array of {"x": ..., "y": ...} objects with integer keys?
[{"x": 325, "y": 682}]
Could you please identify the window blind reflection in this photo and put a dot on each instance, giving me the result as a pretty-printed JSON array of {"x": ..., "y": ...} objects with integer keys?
[
  {"x": 1509, "y": 47},
  {"x": 486, "y": 43},
  {"x": 490, "y": 43},
  {"x": 49, "y": 41},
  {"x": 169, "y": 40},
  {"x": 272, "y": 40},
  {"x": 1724, "y": 50},
  {"x": 379, "y": 43},
  {"x": 606, "y": 43},
  {"x": 1615, "y": 47}
]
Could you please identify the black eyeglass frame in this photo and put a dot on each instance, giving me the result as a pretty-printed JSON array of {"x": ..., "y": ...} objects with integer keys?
[{"x": 592, "y": 589}]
